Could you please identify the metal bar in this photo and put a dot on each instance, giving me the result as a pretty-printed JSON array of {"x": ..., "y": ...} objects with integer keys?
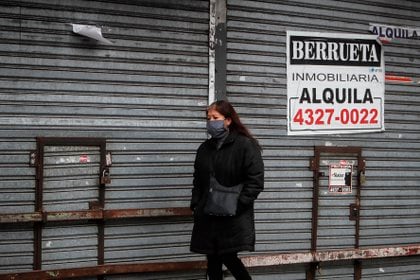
[
  {"x": 39, "y": 182},
  {"x": 311, "y": 271},
  {"x": 340, "y": 150},
  {"x": 357, "y": 270},
  {"x": 315, "y": 199},
  {"x": 79, "y": 215},
  {"x": 37, "y": 262},
  {"x": 101, "y": 242},
  {"x": 98, "y": 214},
  {"x": 250, "y": 261},
  {"x": 39, "y": 174},
  {"x": 358, "y": 198},
  {"x": 21, "y": 218},
  {"x": 108, "y": 269},
  {"x": 101, "y": 223},
  {"x": 333, "y": 255},
  {"x": 72, "y": 141},
  {"x": 147, "y": 213}
]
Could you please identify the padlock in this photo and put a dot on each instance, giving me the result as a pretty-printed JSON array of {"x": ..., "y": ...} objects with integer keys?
[
  {"x": 105, "y": 178},
  {"x": 362, "y": 177}
]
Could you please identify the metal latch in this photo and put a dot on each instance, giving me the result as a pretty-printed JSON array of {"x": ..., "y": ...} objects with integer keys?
[{"x": 354, "y": 212}]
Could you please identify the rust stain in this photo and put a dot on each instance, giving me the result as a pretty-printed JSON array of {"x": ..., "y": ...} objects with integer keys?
[
  {"x": 250, "y": 261},
  {"x": 94, "y": 214},
  {"x": 146, "y": 213},
  {"x": 73, "y": 215},
  {"x": 21, "y": 217}
]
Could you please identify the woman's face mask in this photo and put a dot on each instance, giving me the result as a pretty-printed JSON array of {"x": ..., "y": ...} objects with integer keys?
[
  {"x": 216, "y": 128},
  {"x": 216, "y": 123}
]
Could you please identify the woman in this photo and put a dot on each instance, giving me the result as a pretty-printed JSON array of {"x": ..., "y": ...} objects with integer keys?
[{"x": 233, "y": 156}]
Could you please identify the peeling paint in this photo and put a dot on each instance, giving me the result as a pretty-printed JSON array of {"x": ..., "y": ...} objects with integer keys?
[
  {"x": 250, "y": 261},
  {"x": 54, "y": 274}
]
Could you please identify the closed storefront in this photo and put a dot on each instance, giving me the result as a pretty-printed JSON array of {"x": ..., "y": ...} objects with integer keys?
[
  {"x": 102, "y": 108},
  {"x": 388, "y": 190},
  {"x": 70, "y": 101}
]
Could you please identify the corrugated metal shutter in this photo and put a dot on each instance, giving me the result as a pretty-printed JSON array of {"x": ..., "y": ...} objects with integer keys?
[
  {"x": 145, "y": 94},
  {"x": 69, "y": 246},
  {"x": 71, "y": 182},
  {"x": 392, "y": 268},
  {"x": 17, "y": 249},
  {"x": 336, "y": 271},
  {"x": 71, "y": 177},
  {"x": 256, "y": 84}
]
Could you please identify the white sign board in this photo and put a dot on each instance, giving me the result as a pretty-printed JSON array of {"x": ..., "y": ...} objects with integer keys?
[
  {"x": 340, "y": 181},
  {"x": 335, "y": 83}
]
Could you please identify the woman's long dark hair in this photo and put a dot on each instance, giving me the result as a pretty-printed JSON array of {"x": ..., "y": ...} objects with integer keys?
[{"x": 226, "y": 109}]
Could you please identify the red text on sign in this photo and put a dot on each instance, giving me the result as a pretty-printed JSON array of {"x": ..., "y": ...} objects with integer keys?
[{"x": 344, "y": 116}]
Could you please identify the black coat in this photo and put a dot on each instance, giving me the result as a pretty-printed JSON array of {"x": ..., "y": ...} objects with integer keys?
[{"x": 237, "y": 161}]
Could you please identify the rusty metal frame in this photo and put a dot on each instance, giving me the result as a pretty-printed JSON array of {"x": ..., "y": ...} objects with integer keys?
[
  {"x": 354, "y": 208},
  {"x": 96, "y": 214},
  {"x": 39, "y": 164},
  {"x": 265, "y": 260}
]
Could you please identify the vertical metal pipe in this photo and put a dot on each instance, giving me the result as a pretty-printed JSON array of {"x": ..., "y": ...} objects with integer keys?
[
  {"x": 315, "y": 198},
  {"x": 37, "y": 262},
  {"x": 39, "y": 175},
  {"x": 101, "y": 223},
  {"x": 39, "y": 178},
  {"x": 357, "y": 270},
  {"x": 311, "y": 271},
  {"x": 360, "y": 170}
]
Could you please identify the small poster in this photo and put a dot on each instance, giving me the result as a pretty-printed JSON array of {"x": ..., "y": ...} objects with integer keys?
[
  {"x": 340, "y": 181},
  {"x": 84, "y": 158},
  {"x": 389, "y": 32}
]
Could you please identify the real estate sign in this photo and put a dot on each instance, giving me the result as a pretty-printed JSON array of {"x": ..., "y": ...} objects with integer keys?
[{"x": 335, "y": 83}]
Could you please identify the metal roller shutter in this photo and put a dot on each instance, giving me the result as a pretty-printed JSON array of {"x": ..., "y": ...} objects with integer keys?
[
  {"x": 145, "y": 94},
  {"x": 17, "y": 249},
  {"x": 392, "y": 268},
  {"x": 256, "y": 84}
]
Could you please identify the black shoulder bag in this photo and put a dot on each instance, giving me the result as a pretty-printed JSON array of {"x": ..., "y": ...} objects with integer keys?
[{"x": 221, "y": 200}]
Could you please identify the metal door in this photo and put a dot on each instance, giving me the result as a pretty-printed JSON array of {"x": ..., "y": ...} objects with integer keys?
[{"x": 338, "y": 175}]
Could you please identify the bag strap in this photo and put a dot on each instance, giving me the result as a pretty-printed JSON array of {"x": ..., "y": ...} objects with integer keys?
[
  {"x": 213, "y": 155},
  {"x": 212, "y": 159}
]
